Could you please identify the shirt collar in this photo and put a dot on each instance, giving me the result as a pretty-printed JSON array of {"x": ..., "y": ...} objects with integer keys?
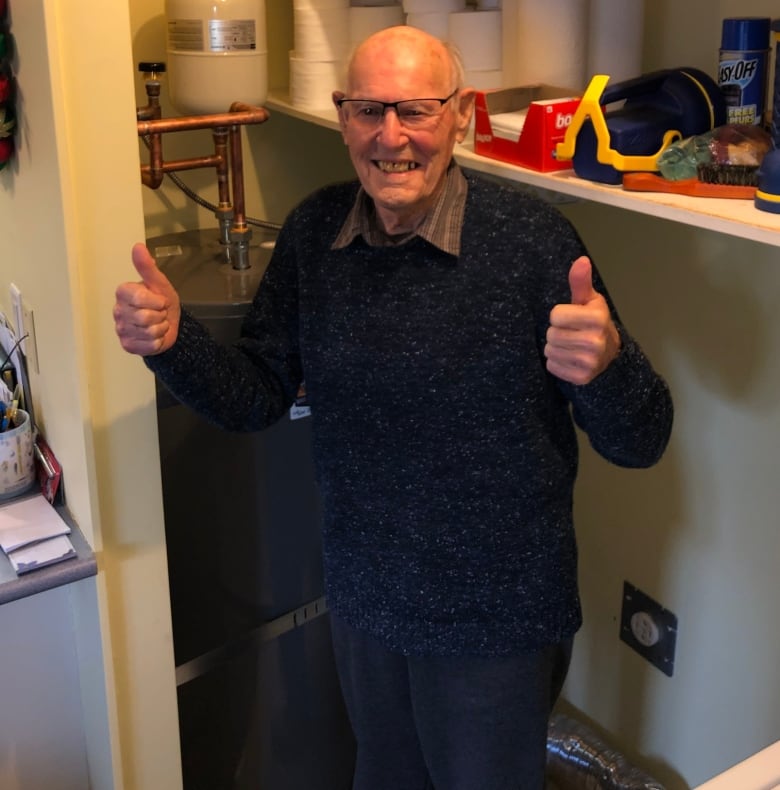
[{"x": 441, "y": 227}]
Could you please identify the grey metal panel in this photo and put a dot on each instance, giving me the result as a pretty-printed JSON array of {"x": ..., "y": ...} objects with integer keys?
[
  {"x": 195, "y": 262},
  {"x": 242, "y": 522},
  {"x": 242, "y": 526},
  {"x": 270, "y": 720}
]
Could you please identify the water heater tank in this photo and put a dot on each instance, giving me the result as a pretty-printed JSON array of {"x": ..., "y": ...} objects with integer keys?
[{"x": 217, "y": 54}]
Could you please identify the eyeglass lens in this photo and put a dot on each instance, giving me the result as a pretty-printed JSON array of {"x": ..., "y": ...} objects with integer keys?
[{"x": 410, "y": 112}]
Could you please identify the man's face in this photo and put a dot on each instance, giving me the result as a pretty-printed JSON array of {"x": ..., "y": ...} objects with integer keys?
[{"x": 402, "y": 166}]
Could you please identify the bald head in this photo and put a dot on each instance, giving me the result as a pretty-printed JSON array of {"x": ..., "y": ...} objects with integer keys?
[
  {"x": 403, "y": 112},
  {"x": 410, "y": 49}
]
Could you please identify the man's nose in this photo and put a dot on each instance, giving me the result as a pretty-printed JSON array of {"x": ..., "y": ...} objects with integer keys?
[{"x": 390, "y": 128}]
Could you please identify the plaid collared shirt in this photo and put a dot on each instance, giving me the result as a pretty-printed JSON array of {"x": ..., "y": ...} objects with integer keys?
[{"x": 441, "y": 227}]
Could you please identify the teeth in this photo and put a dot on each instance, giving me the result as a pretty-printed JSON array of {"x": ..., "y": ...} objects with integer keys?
[{"x": 396, "y": 167}]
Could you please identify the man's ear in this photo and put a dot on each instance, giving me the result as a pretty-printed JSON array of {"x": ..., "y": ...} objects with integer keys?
[
  {"x": 465, "y": 111},
  {"x": 336, "y": 96}
]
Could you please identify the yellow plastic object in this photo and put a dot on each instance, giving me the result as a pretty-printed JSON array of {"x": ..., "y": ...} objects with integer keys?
[{"x": 590, "y": 107}]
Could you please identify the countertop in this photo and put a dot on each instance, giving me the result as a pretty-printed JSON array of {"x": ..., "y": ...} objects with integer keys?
[{"x": 83, "y": 565}]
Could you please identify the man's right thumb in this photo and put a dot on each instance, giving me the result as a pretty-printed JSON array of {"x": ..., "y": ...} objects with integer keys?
[{"x": 147, "y": 269}]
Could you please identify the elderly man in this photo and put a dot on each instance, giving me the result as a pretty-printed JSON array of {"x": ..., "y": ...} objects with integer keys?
[{"x": 450, "y": 333}]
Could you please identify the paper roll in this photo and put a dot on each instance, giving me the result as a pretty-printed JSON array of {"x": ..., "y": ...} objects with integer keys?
[
  {"x": 313, "y": 81},
  {"x": 433, "y": 6},
  {"x": 545, "y": 41},
  {"x": 318, "y": 5},
  {"x": 615, "y": 35},
  {"x": 321, "y": 33},
  {"x": 477, "y": 34},
  {"x": 485, "y": 80},
  {"x": 437, "y": 24},
  {"x": 365, "y": 20}
]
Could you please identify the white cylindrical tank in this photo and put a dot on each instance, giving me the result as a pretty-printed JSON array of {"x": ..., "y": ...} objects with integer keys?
[{"x": 217, "y": 54}]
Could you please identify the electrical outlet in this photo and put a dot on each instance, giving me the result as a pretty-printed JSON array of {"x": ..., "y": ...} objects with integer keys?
[
  {"x": 31, "y": 350},
  {"x": 648, "y": 628},
  {"x": 25, "y": 327}
]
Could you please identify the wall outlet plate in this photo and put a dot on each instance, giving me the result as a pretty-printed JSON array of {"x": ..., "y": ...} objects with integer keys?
[
  {"x": 25, "y": 327},
  {"x": 648, "y": 628}
]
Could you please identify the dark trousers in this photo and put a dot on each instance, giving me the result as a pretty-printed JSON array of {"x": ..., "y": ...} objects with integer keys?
[{"x": 460, "y": 723}]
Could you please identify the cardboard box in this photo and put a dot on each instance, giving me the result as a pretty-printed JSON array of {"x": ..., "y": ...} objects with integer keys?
[{"x": 547, "y": 112}]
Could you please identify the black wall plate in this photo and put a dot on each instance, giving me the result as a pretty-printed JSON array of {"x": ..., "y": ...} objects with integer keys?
[{"x": 648, "y": 628}]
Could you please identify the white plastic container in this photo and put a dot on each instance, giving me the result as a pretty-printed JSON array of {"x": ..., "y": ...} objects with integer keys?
[
  {"x": 17, "y": 465},
  {"x": 217, "y": 53}
]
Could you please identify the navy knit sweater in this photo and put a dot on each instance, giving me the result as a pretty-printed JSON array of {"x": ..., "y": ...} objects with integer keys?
[{"x": 446, "y": 454}]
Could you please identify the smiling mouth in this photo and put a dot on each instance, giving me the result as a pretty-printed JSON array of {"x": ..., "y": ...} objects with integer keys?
[{"x": 395, "y": 167}]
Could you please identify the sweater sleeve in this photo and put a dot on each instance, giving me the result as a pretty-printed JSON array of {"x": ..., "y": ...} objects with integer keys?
[
  {"x": 249, "y": 384},
  {"x": 627, "y": 411}
]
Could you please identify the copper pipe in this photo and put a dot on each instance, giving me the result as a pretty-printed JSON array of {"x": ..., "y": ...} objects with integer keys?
[
  {"x": 223, "y": 182},
  {"x": 237, "y": 169},
  {"x": 151, "y": 175},
  {"x": 243, "y": 115},
  {"x": 191, "y": 164},
  {"x": 227, "y": 159},
  {"x": 155, "y": 173},
  {"x": 240, "y": 114},
  {"x": 152, "y": 109}
]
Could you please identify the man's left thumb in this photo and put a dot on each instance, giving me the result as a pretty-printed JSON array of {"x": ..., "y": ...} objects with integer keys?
[{"x": 581, "y": 281}]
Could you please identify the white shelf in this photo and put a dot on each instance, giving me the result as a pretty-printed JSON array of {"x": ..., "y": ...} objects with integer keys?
[
  {"x": 281, "y": 103},
  {"x": 733, "y": 217}
]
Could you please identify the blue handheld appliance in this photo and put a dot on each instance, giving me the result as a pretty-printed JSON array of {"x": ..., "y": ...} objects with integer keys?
[{"x": 656, "y": 109}]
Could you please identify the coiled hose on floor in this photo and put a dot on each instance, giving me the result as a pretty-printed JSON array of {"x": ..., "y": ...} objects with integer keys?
[{"x": 578, "y": 760}]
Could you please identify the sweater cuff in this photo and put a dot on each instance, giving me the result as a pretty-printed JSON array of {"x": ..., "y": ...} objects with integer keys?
[
  {"x": 181, "y": 356},
  {"x": 630, "y": 371}
]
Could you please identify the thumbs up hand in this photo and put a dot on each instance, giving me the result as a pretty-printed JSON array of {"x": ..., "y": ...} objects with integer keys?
[
  {"x": 582, "y": 339},
  {"x": 147, "y": 313}
]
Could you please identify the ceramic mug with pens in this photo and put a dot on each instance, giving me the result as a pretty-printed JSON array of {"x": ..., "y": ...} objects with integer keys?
[{"x": 17, "y": 465}]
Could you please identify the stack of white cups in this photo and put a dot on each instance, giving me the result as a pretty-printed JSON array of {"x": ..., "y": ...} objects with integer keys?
[
  {"x": 432, "y": 16},
  {"x": 321, "y": 41}
]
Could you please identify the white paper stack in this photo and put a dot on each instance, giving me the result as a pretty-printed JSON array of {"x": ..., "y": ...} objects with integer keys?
[
  {"x": 508, "y": 125},
  {"x": 32, "y": 534}
]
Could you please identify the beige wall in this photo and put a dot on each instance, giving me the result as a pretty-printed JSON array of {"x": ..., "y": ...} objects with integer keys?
[
  {"x": 70, "y": 205},
  {"x": 283, "y": 158},
  {"x": 106, "y": 218},
  {"x": 698, "y": 533}
]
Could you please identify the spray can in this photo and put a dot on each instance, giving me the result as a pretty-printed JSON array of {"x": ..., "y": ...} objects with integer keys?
[
  {"x": 775, "y": 125},
  {"x": 743, "y": 68}
]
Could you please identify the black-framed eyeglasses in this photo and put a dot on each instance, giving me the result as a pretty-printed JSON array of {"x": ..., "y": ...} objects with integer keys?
[{"x": 412, "y": 113}]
